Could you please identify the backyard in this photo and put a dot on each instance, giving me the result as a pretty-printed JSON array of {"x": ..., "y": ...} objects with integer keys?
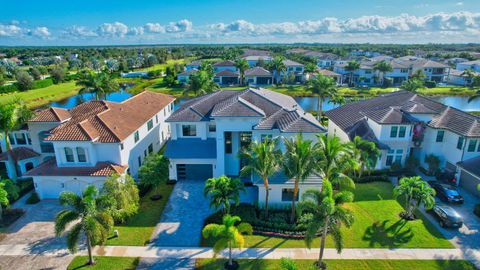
[{"x": 377, "y": 225}]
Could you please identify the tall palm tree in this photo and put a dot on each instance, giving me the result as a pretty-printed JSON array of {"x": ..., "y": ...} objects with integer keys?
[
  {"x": 100, "y": 84},
  {"x": 335, "y": 159},
  {"x": 222, "y": 191},
  {"x": 206, "y": 66},
  {"x": 323, "y": 87},
  {"x": 201, "y": 82},
  {"x": 3, "y": 198},
  {"x": 475, "y": 84},
  {"x": 299, "y": 162},
  {"x": 227, "y": 235},
  {"x": 93, "y": 221},
  {"x": 468, "y": 74},
  {"x": 263, "y": 159},
  {"x": 382, "y": 67},
  {"x": 412, "y": 85},
  {"x": 351, "y": 67},
  {"x": 418, "y": 75},
  {"x": 366, "y": 153},
  {"x": 278, "y": 68},
  {"x": 242, "y": 65},
  {"x": 12, "y": 116},
  {"x": 416, "y": 192},
  {"x": 328, "y": 216}
]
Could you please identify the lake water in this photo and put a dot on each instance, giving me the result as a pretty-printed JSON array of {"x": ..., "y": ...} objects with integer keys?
[{"x": 73, "y": 101}]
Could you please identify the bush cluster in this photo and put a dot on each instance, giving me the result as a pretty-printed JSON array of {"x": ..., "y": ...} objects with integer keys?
[{"x": 33, "y": 199}]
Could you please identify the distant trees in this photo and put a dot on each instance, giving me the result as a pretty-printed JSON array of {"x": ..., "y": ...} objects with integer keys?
[
  {"x": 100, "y": 84},
  {"x": 35, "y": 73},
  {"x": 58, "y": 75},
  {"x": 412, "y": 85},
  {"x": 24, "y": 80},
  {"x": 351, "y": 67},
  {"x": 201, "y": 82},
  {"x": 382, "y": 67},
  {"x": 242, "y": 65},
  {"x": 323, "y": 87},
  {"x": 278, "y": 68}
]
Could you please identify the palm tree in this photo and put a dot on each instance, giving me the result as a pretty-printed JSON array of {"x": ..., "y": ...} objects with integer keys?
[
  {"x": 382, "y": 67},
  {"x": 366, "y": 153},
  {"x": 227, "y": 235},
  {"x": 468, "y": 74},
  {"x": 416, "y": 192},
  {"x": 299, "y": 162},
  {"x": 263, "y": 159},
  {"x": 335, "y": 158},
  {"x": 328, "y": 216},
  {"x": 206, "y": 66},
  {"x": 242, "y": 65},
  {"x": 201, "y": 82},
  {"x": 323, "y": 87},
  {"x": 278, "y": 67},
  {"x": 351, "y": 67},
  {"x": 12, "y": 116},
  {"x": 418, "y": 75},
  {"x": 412, "y": 85},
  {"x": 3, "y": 198},
  {"x": 93, "y": 221},
  {"x": 100, "y": 84},
  {"x": 475, "y": 84},
  {"x": 222, "y": 190}
]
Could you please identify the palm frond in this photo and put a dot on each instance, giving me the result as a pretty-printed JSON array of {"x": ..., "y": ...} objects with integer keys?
[
  {"x": 73, "y": 237},
  {"x": 63, "y": 218}
]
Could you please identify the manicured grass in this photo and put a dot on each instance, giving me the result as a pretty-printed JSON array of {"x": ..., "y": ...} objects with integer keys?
[
  {"x": 138, "y": 230},
  {"x": 163, "y": 65},
  {"x": 104, "y": 263},
  {"x": 211, "y": 264},
  {"x": 377, "y": 225},
  {"x": 39, "y": 97}
]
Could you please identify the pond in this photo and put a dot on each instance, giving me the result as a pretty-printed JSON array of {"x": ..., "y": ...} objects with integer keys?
[{"x": 73, "y": 101}]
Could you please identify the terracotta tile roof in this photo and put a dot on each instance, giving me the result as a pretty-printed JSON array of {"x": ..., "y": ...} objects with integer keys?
[
  {"x": 50, "y": 168},
  {"x": 19, "y": 153},
  {"x": 51, "y": 115},
  {"x": 105, "y": 121}
]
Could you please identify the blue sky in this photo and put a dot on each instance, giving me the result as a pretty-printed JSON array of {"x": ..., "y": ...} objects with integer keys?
[{"x": 231, "y": 21}]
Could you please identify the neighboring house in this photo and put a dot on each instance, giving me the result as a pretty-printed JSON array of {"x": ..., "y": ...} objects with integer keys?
[
  {"x": 458, "y": 77},
  {"x": 470, "y": 175},
  {"x": 253, "y": 60},
  {"x": 227, "y": 77},
  {"x": 365, "y": 75},
  {"x": 434, "y": 71},
  {"x": 70, "y": 149},
  {"x": 184, "y": 77},
  {"x": 406, "y": 124},
  {"x": 324, "y": 72},
  {"x": 194, "y": 65},
  {"x": 225, "y": 65},
  {"x": 399, "y": 73},
  {"x": 258, "y": 76},
  {"x": 454, "y": 61},
  {"x": 295, "y": 68},
  {"x": 138, "y": 74},
  {"x": 324, "y": 60},
  {"x": 208, "y": 133},
  {"x": 252, "y": 52},
  {"x": 473, "y": 65}
]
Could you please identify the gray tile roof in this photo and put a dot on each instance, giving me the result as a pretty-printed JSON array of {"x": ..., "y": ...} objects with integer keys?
[
  {"x": 275, "y": 110},
  {"x": 288, "y": 62},
  {"x": 227, "y": 73},
  {"x": 281, "y": 178},
  {"x": 226, "y": 63},
  {"x": 471, "y": 165},
  {"x": 187, "y": 72},
  {"x": 192, "y": 148},
  {"x": 257, "y": 71},
  {"x": 363, "y": 130}
]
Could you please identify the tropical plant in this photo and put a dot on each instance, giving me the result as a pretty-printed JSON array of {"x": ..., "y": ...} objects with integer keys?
[
  {"x": 278, "y": 67},
  {"x": 418, "y": 75},
  {"x": 93, "y": 221},
  {"x": 433, "y": 163},
  {"x": 382, "y": 67},
  {"x": 468, "y": 74},
  {"x": 328, "y": 216},
  {"x": 288, "y": 264},
  {"x": 242, "y": 65},
  {"x": 412, "y": 85},
  {"x": 58, "y": 75},
  {"x": 227, "y": 235},
  {"x": 12, "y": 116},
  {"x": 11, "y": 188},
  {"x": 119, "y": 196},
  {"x": 335, "y": 159},
  {"x": 100, "y": 84},
  {"x": 24, "y": 80},
  {"x": 416, "y": 192},
  {"x": 323, "y": 87},
  {"x": 262, "y": 159},
  {"x": 475, "y": 84},
  {"x": 299, "y": 162},
  {"x": 366, "y": 153},
  {"x": 154, "y": 171},
  {"x": 206, "y": 66},
  {"x": 3, "y": 199},
  {"x": 201, "y": 82},
  {"x": 351, "y": 67},
  {"x": 222, "y": 191}
]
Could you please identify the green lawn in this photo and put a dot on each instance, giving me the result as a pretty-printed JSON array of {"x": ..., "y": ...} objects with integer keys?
[
  {"x": 104, "y": 263},
  {"x": 377, "y": 225},
  {"x": 163, "y": 66},
  {"x": 211, "y": 264},
  {"x": 39, "y": 97},
  {"x": 138, "y": 230}
]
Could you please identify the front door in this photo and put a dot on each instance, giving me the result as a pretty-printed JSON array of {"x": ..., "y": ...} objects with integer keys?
[{"x": 245, "y": 140}]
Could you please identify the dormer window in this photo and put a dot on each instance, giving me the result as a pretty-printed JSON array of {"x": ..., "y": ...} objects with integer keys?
[
  {"x": 69, "y": 154},
  {"x": 81, "y": 155}
]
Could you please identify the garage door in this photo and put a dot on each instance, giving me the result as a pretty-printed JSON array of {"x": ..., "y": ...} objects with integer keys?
[
  {"x": 49, "y": 189},
  {"x": 75, "y": 186},
  {"x": 194, "y": 171},
  {"x": 469, "y": 182}
]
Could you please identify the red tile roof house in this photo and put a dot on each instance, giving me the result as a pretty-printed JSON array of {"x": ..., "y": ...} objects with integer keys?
[{"x": 84, "y": 145}]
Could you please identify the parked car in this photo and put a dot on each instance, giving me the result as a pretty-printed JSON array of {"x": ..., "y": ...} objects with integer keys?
[
  {"x": 446, "y": 193},
  {"x": 446, "y": 177},
  {"x": 447, "y": 216}
]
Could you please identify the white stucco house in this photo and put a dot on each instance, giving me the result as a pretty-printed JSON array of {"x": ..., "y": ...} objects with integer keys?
[
  {"x": 473, "y": 65},
  {"x": 406, "y": 124},
  {"x": 209, "y": 131},
  {"x": 70, "y": 149}
]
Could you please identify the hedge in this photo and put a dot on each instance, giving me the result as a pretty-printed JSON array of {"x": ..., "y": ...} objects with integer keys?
[
  {"x": 42, "y": 83},
  {"x": 8, "y": 88},
  {"x": 372, "y": 178},
  {"x": 4, "y": 89}
]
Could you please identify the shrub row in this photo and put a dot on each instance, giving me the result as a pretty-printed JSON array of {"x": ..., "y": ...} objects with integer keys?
[
  {"x": 36, "y": 85},
  {"x": 372, "y": 178},
  {"x": 42, "y": 83}
]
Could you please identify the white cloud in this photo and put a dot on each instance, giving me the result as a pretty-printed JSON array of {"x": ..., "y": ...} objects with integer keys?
[
  {"x": 41, "y": 32},
  {"x": 459, "y": 4},
  {"x": 136, "y": 31},
  {"x": 9, "y": 30},
  {"x": 116, "y": 29},
  {"x": 79, "y": 32},
  {"x": 180, "y": 26},
  {"x": 154, "y": 28}
]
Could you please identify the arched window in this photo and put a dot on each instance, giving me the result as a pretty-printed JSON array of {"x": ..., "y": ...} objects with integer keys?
[
  {"x": 69, "y": 154},
  {"x": 82, "y": 157},
  {"x": 28, "y": 166}
]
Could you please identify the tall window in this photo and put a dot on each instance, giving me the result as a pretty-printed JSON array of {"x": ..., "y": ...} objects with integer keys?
[
  {"x": 150, "y": 148},
  {"x": 390, "y": 156},
  {"x": 401, "y": 133},
  {"x": 440, "y": 135},
  {"x": 472, "y": 144},
  {"x": 69, "y": 154},
  {"x": 136, "y": 136},
  {"x": 228, "y": 142},
  {"x": 11, "y": 138},
  {"x": 460, "y": 143},
  {"x": 287, "y": 195},
  {"x": 189, "y": 130},
  {"x": 21, "y": 139},
  {"x": 150, "y": 124},
  {"x": 393, "y": 131},
  {"x": 82, "y": 157},
  {"x": 394, "y": 156},
  {"x": 212, "y": 128},
  {"x": 139, "y": 159},
  {"x": 398, "y": 155}
]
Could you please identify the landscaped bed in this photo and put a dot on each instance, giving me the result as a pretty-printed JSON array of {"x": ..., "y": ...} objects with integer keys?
[
  {"x": 104, "y": 263},
  {"x": 210, "y": 264},
  {"x": 377, "y": 225},
  {"x": 139, "y": 228}
]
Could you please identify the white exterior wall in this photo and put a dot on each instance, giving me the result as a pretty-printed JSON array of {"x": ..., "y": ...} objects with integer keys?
[
  {"x": 50, "y": 187},
  {"x": 463, "y": 66},
  {"x": 34, "y": 128},
  {"x": 275, "y": 194}
]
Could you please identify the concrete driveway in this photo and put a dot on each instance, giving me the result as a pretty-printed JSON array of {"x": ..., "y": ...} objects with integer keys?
[{"x": 36, "y": 230}]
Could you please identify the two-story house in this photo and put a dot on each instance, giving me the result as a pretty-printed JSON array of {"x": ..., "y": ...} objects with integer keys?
[
  {"x": 362, "y": 76},
  {"x": 473, "y": 65},
  {"x": 208, "y": 132},
  {"x": 71, "y": 149},
  {"x": 406, "y": 124},
  {"x": 257, "y": 60},
  {"x": 433, "y": 71},
  {"x": 225, "y": 65},
  {"x": 295, "y": 68}
]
